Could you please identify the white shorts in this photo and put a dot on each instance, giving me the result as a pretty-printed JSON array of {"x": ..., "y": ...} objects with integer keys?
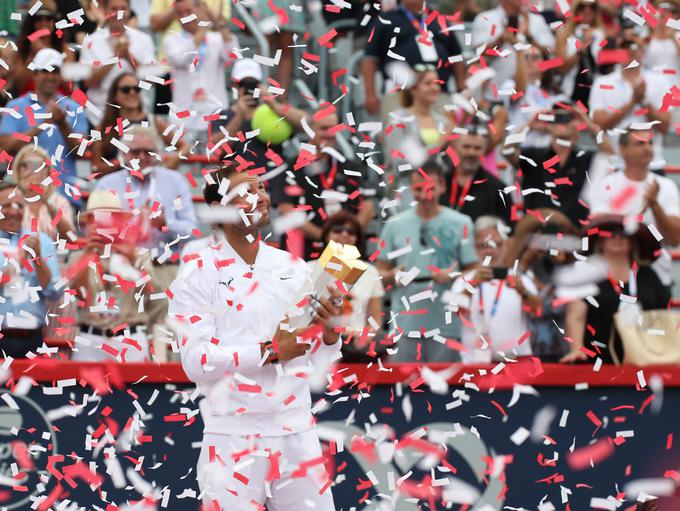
[{"x": 245, "y": 473}]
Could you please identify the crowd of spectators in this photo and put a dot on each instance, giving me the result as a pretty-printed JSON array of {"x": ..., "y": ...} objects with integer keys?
[{"x": 502, "y": 169}]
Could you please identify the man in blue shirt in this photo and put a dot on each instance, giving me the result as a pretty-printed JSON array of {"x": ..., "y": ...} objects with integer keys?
[
  {"x": 46, "y": 117},
  {"x": 425, "y": 249},
  {"x": 29, "y": 274},
  {"x": 161, "y": 201}
]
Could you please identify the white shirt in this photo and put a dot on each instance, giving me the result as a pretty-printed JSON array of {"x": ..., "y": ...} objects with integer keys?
[
  {"x": 198, "y": 76},
  {"x": 230, "y": 307},
  {"x": 620, "y": 195},
  {"x": 502, "y": 329},
  {"x": 612, "y": 91},
  {"x": 99, "y": 49},
  {"x": 661, "y": 56},
  {"x": 489, "y": 25}
]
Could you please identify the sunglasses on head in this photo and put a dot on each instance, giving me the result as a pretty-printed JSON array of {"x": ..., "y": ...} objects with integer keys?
[
  {"x": 422, "y": 68},
  {"x": 338, "y": 229},
  {"x": 127, "y": 89}
]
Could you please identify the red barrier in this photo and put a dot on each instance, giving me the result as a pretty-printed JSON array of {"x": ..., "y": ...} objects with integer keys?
[{"x": 501, "y": 376}]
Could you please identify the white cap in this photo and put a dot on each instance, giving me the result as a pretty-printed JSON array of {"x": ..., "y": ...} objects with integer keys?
[
  {"x": 47, "y": 59},
  {"x": 246, "y": 68}
]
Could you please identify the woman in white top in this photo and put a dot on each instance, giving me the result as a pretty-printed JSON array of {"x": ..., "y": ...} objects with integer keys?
[
  {"x": 578, "y": 45},
  {"x": 662, "y": 53},
  {"x": 362, "y": 308},
  {"x": 47, "y": 210},
  {"x": 417, "y": 127}
]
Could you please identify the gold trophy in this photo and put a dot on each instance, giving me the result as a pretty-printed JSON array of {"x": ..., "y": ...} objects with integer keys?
[{"x": 337, "y": 263}]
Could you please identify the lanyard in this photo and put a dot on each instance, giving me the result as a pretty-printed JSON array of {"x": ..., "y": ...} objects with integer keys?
[
  {"x": 497, "y": 298},
  {"x": 460, "y": 202},
  {"x": 413, "y": 19}
]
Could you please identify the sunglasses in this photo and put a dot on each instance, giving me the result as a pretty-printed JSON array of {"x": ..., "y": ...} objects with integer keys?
[
  {"x": 338, "y": 229},
  {"x": 127, "y": 89},
  {"x": 422, "y": 68},
  {"x": 424, "y": 236}
]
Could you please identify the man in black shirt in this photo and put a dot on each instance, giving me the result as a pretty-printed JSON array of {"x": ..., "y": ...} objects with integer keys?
[
  {"x": 470, "y": 189},
  {"x": 319, "y": 183},
  {"x": 418, "y": 38},
  {"x": 553, "y": 177}
]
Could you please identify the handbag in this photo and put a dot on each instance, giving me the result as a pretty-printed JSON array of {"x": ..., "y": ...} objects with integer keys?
[{"x": 654, "y": 339}]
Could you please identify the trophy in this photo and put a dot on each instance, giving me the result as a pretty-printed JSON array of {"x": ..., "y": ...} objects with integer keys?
[{"x": 338, "y": 265}]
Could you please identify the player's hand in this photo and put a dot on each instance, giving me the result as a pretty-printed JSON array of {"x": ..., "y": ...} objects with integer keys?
[
  {"x": 286, "y": 344},
  {"x": 327, "y": 313}
]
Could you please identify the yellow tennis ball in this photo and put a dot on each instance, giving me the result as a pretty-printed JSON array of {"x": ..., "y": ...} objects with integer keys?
[{"x": 272, "y": 128}]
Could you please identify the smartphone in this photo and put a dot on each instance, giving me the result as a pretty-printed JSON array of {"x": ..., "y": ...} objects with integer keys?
[
  {"x": 513, "y": 21},
  {"x": 499, "y": 273},
  {"x": 249, "y": 85},
  {"x": 563, "y": 117}
]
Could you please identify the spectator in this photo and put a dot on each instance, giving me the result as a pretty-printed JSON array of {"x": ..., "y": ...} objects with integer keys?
[
  {"x": 662, "y": 52},
  {"x": 401, "y": 32},
  {"x": 499, "y": 29},
  {"x": 49, "y": 209},
  {"x": 252, "y": 152},
  {"x": 320, "y": 184},
  {"x": 631, "y": 96},
  {"x": 362, "y": 310},
  {"x": 543, "y": 249},
  {"x": 624, "y": 251},
  {"x": 124, "y": 102},
  {"x": 164, "y": 21},
  {"x": 9, "y": 61},
  {"x": 470, "y": 189},
  {"x": 646, "y": 197},
  {"x": 578, "y": 45},
  {"x": 492, "y": 303},
  {"x": 29, "y": 274},
  {"x": 554, "y": 177},
  {"x": 283, "y": 24},
  {"x": 44, "y": 35},
  {"x": 197, "y": 56},
  {"x": 433, "y": 244},
  {"x": 538, "y": 90},
  {"x": 112, "y": 50},
  {"x": 417, "y": 128},
  {"x": 162, "y": 200},
  {"x": 109, "y": 302},
  {"x": 63, "y": 115}
]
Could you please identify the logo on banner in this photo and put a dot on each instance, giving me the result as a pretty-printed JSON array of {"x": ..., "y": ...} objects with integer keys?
[
  {"x": 27, "y": 440},
  {"x": 427, "y": 466}
]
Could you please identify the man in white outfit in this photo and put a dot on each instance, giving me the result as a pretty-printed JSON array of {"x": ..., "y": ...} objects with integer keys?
[{"x": 230, "y": 306}]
